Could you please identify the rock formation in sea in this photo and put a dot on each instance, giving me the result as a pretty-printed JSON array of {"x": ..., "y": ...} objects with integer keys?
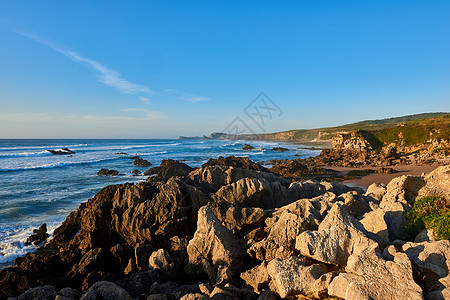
[{"x": 229, "y": 230}]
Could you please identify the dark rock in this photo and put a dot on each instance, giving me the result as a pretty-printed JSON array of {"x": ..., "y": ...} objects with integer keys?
[
  {"x": 107, "y": 172},
  {"x": 248, "y": 147},
  {"x": 235, "y": 162},
  {"x": 105, "y": 290},
  {"x": 70, "y": 293},
  {"x": 39, "y": 235},
  {"x": 169, "y": 168},
  {"x": 47, "y": 292},
  {"x": 134, "y": 157},
  {"x": 142, "y": 162},
  {"x": 384, "y": 170},
  {"x": 139, "y": 283},
  {"x": 136, "y": 172},
  {"x": 62, "y": 151},
  {"x": 120, "y": 153},
  {"x": 279, "y": 149}
]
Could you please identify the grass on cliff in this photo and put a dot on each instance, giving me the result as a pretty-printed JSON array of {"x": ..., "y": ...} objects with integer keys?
[{"x": 430, "y": 212}]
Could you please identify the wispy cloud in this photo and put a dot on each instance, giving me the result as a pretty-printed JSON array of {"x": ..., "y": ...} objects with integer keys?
[{"x": 113, "y": 78}]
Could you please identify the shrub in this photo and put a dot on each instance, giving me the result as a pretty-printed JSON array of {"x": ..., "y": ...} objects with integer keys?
[{"x": 430, "y": 212}]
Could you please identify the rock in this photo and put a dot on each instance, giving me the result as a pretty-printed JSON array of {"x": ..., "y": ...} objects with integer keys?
[
  {"x": 62, "y": 151},
  {"x": 238, "y": 218},
  {"x": 47, "y": 292},
  {"x": 142, "y": 162},
  {"x": 426, "y": 235},
  {"x": 248, "y": 147},
  {"x": 433, "y": 260},
  {"x": 89, "y": 269},
  {"x": 134, "y": 157},
  {"x": 280, "y": 241},
  {"x": 161, "y": 261},
  {"x": 120, "y": 153},
  {"x": 390, "y": 151},
  {"x": 376, "y": 191},
  {"x": 369, "y": 276},
  {"x": 384, "y": 170},
  {"x": 257, "y": 277},
  {"x": 291, "y": 276},
  {"x": 279, "y": 149},
  {"x": 213, "y": 246},
  {"x": 169, "y": 168},
  {"x": 139, "y": 283},
  {"x": 339, "y": 236},
  {"x": 374, "y": 222},
  {"x": 105, "y": 290},
  {"x": 135, "y": 172},
  {"x": 401, "y": 192},
  {"x": 39, "y": 235},
  {"x": 70, "y": 293},
  {"x": 235, "y": 162},
  {"x": 354, "y": 204},
  {"x": 142, "y": 254},
  {"x": 107, "y": 172},
  {"x": 437, "y": 183}
]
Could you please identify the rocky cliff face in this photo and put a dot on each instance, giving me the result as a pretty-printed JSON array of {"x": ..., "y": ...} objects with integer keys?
[
  {"x": 233, "y": 233},
  {"x": 362, "y": 148}
]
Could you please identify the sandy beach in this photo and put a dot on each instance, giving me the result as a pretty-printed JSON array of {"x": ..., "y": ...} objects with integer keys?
[{"x": 365, "y": 181}]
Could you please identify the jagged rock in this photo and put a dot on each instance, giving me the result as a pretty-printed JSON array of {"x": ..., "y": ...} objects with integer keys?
[
  {"x": 437, "y": 183},
  {"x": 248, "y": 147},
  {"x": 169, "y": 168},
  {"x": 390, "y": 151},
  {"x": 105, "y": 290},
  {"x": 47, "y": 292},
  {"x": 374, "y": 222},
  {"x": 369, "y": 276},
  {"x": 339, "y": 236},
  {"x": 235, "y": 162},
  {"x": 135, "y": 172},
  {"x": 279, "y": 149},
  {"x": 280, "y": 241},
  {"x": 107, "y": 172},
  {"x": 89, "y": 269},
  {"x": 354, "y": 203},
  {"x": 139, "y": 283},
  {"x": 39, "y": 235},
  {"x": 426, "y": 235},
  {"x": 433, "y": 260},
  {"x": 141, "y": 255},
  {"x": 141, "y": 162},
  {"x": 242, "y": 217},
  {"x": 213, "y": 246},
  {"x": 376, "y": 191},
  {"x": 161, "y": 261},
  {"x": 257, "y": 277},
  {"x": 401, "y": 192},
  {"x": 194, "y": 296},
  {"x": 292, "y": 276}
]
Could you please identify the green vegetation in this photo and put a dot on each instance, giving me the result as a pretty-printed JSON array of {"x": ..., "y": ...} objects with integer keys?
[{"x": 430, "y": 212}]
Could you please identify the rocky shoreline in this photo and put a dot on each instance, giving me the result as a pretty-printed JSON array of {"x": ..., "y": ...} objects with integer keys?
[{"x": 233, "y": 229}]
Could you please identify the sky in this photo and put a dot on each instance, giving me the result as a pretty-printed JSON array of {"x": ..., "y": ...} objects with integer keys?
[{"x": 160, "y": 69}]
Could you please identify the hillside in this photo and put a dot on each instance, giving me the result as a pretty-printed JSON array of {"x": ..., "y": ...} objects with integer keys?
[{"x": 407, "y": 130}]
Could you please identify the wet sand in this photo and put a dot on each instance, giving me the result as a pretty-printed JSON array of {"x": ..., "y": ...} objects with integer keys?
[{"x": 365, "y": 181}]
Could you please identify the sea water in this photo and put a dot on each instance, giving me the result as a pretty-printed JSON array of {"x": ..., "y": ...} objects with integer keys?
[{"x": 38, "y": 187}]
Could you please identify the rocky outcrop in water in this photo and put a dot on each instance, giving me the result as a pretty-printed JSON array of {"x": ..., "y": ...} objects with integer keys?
[
  {"x": 225, "y": 232},
  {"x": 62, "y": 151},
  {"x": 107, "y": 172}
]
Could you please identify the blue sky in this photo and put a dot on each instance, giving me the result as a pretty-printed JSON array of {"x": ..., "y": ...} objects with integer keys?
[{"x": 156, "y": 69}]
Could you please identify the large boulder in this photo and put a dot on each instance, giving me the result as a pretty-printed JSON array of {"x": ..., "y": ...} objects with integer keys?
[
  {"x": 284, "y": 227},
  {"x": 292, "y": 276},
  {"x": 213, "y": 248},
  {"x": 257, "y": 277},
  {"x": 236, "y": 162},
  {"x": 169, "y": 168},
  {"x": 339, "y": 236},
  {"x": 105, "y": 290},
  {"x": 437, "y": 183},
  {"x": 370, "y": 276},
  {"x": 47, "y": 292},
  {"x": 433, "y": 261}
]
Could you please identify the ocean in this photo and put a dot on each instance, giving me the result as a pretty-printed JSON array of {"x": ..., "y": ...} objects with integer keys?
[{"x": 38, "y": 187}]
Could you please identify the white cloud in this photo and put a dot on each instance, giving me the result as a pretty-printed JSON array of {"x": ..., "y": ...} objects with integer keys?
[
  {"x": 113, "y": 78},
  {"x": 144, "y": 99}
]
